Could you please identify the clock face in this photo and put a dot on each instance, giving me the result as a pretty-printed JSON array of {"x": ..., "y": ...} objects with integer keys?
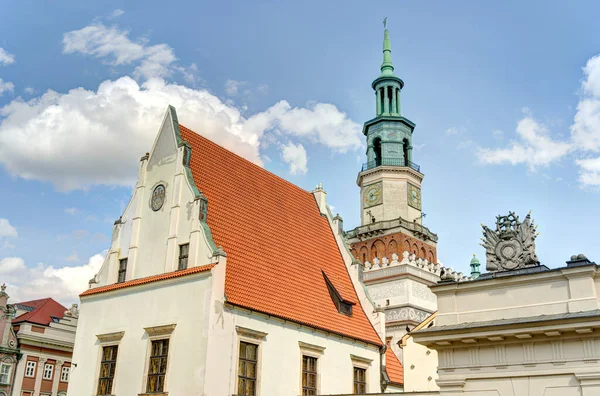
[
  {"x": 158, "y": 197},
  {"x": 414, "y": 196},
  {"x": 372, "y": 195}
]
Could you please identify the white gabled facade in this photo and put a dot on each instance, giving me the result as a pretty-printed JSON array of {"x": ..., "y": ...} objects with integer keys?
[{"x": 191, "y": 310}]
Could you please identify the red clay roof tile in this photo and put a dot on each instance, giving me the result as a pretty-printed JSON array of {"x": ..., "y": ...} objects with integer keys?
[
  {"x": 393, "y": 367},
  {"x": 277, "y": 243},
  {"x": 149, "y": 279},
  {"x": 42, "y": 313}
]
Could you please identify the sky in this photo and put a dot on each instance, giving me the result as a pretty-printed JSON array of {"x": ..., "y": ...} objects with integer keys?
[{"x": 505, "y": 96}]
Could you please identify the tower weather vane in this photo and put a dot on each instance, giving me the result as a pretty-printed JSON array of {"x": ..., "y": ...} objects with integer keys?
[{"x": 384, "y": 22}]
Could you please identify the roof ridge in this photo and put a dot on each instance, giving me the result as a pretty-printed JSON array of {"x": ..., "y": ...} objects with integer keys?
[{"x": 250, "y": 162}]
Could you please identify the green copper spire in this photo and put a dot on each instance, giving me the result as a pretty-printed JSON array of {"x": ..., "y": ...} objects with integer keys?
[{"x": 387, "y": 67}]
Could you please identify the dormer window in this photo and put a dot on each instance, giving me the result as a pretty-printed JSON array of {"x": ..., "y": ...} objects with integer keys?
[{"x": 343, "y": 306}]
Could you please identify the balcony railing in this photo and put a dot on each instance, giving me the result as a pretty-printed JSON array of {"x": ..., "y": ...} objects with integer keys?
[{"x": 390, "y": 162}]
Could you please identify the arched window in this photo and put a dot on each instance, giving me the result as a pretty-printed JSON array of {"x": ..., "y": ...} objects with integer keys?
[
  {"x": 405, "y": 151},
  {"x": 377, "y": 149}
]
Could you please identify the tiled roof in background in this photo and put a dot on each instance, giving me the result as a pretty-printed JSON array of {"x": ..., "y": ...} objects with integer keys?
[{"x": 40, "y": 311}]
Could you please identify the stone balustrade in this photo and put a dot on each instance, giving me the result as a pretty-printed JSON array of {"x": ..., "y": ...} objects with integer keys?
[{"x": 445, "y": 273}]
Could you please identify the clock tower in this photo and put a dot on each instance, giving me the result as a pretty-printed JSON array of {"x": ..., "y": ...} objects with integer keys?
[
  {"x": 390, "y": 182},
  {"x": 398, "y": 253}
]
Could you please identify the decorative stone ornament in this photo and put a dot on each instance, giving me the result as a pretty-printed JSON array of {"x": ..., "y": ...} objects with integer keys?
[
  {"x": 158, "y": 197},
  {"x": 511, "y": 245}
]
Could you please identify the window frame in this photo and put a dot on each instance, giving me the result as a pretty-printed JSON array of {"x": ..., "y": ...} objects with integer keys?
[
  {"x": 33, "y": 368},
  {"x": 313, "y": 351},
  {"x": 249, "y": 336},
  {"x": 122, "y": 270},
  {"x": 99, "y": 372},
  {"x": 107, "y": 340},
  {"x": 247, "y": 360},
  {"x": 2, "y": 365},
  {"x": 160, "y": 357},
  {"x": 181, "y": 257},
  {"x": 359, "y": 391},
  {"x": 65, "y": 372},
  {"x": 156, "y": 333},
  {"x": 359, "y": 362},
  {"x": 51, "y": 371}
]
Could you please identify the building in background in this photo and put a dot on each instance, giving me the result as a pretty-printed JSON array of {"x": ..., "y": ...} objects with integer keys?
[
  {"x": 36, "y": 347},
  {"x": 45, "y": 332},
  {"x": 521, "y": 328},
  {"x": 9, "y": 350}
]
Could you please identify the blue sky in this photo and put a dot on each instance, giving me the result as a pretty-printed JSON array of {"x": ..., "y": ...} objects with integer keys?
[{"x": 506, "y": 99}]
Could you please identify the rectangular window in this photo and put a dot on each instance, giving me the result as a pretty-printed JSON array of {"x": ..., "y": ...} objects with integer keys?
[
  {"x": 48, "y": 370},
  {"x": 309, "y": 375},
  {"x": 247, "y": 369},
  {"x": 108, "y": 365},
  {"x": 122, "y": 270},
  {"x": 64, "y": 374},
  {"x": 360, "y": 381},
  {"x": 5, "y": 373},
  {"x": 157, "y": 368},
  {"x": 30, "y": 368},
  {"x": 183, "y": 256}
]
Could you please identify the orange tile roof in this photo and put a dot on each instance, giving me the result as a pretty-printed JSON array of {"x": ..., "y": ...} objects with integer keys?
[
  {"x": 42, "y": 313},
  {"x": 277, "y": 242},
  {"x": 149, "y": 279},
  {"x": 393, "y": 367}
]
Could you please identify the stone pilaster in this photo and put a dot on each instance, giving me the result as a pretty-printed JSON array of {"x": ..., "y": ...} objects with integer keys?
[
  {"x": 57, "y": 373},
  {"x": 38, "y": 376}
]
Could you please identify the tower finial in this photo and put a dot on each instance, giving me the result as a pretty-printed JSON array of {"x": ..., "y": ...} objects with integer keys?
[{"x": 387, "y": 67}]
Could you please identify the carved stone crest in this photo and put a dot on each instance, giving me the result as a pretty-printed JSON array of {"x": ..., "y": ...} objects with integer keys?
[{"x": 511, "y": 245}]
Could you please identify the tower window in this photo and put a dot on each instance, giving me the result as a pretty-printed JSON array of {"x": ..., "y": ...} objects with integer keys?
[
  {"x": 377, "y": 150},
  {"x": 405, "y": 151}
]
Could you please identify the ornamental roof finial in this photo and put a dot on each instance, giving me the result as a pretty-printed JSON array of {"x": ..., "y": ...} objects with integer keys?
[{"x": 387, "y": 67}]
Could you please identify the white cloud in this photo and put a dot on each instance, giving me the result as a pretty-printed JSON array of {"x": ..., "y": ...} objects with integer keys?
[
  {"x": 30, "y": 90},
  {"x": 6, "y": 86},
  {"x": 295, "y": 156},
  {"x": 116, "y": 13},
  {"x": 232, "y": 87},
  {"x": 585, "y": 130},
  {"x": 114, "y": 46},
  {"x": 534, "y": 147},
  {"x": 589, "y": 171},
  {"x": 43, "y": 280},
  {"x": 72, "y": 211},
  {"x": 454, "y": 131},
  {"x": 95, "y": 137},
  {"x": 84, "y": 138},
  {"x": 7, "y": 230},
  {"x": 321, "y": 123},
  {"x": 5, "y": 57}
]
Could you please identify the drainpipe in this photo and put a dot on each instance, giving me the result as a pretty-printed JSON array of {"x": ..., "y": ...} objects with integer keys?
[{"x": 384, "y": 377}]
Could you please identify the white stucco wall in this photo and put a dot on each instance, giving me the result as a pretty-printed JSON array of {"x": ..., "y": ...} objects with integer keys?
[
  {"x": 280, "y": 357},
  {"x": 420, "y": 367},
  {"x": 150, "y": 239},
  {"x": 182, "y": 301}
]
